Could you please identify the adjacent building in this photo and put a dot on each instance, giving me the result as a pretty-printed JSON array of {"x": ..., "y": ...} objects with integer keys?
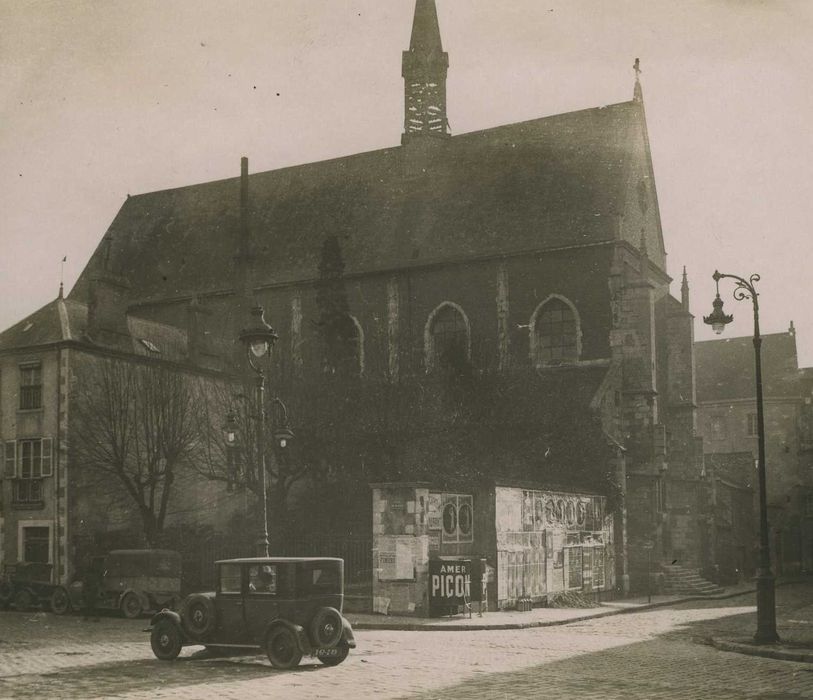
[
  {"x": 728, "y": 424},
  {"x": 55, "y": 509}
]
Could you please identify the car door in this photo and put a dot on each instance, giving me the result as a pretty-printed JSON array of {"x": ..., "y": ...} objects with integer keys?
[
  {"x": 264, "y": 590},
  {"x": 230, "y": 605}
]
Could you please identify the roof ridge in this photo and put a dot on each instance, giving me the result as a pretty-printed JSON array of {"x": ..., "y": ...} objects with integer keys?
[
  {"x": 785, "y": 334},
  {"x": 395, "y": 148}
]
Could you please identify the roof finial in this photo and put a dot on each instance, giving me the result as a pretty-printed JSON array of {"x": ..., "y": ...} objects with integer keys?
[
  {"x": 792, "y": 329},
  {"x": 638, "y": 94},
  {"x": 62, "y": 276}
]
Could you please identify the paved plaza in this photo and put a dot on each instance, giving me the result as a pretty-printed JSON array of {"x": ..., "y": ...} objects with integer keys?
[{"x": 658, "y": 653}]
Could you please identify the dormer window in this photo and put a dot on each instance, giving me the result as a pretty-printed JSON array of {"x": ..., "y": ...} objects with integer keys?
[{"x": 151, "y": 347}]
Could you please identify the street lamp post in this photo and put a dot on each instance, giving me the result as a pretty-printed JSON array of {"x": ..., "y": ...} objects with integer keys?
[
  {"x": 259, "y": 339},
  {"x": 766, "y": 601},
  {"x": 230, "y": 435}
]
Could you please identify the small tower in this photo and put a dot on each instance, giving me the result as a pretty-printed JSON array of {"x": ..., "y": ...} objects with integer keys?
[
  {"x": 684, "y": 291},
  {"x": 424, "y": 69}
]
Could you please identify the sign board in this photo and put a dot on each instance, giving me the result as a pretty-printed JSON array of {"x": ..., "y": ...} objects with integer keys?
[
  {"x": 396, "y": 558},
  {"x": 449, "y": 584}
]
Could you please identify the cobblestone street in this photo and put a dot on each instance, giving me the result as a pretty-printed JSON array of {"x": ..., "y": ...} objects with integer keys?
[{"x": 650, "y": 654}]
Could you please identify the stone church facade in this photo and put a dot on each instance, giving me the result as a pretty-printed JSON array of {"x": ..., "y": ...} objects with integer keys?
[{"x": 509, "y": 321}]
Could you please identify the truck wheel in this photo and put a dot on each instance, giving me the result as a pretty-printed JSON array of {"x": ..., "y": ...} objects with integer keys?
[
  {"x": 166, "y": 641},
  {"x": 23, "y": 600},
  {"x": 131, "y": 606},
  {"x": 343, "y": 649},
  {"x": 60, "y": 601},
  {"x": 282, "y": 648}
]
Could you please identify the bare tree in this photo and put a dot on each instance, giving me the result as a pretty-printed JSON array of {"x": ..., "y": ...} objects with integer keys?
[{"x": 135, "y": 428}]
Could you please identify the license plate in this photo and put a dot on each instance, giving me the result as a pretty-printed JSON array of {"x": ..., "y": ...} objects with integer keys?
[{"x": 326, "y": 653}]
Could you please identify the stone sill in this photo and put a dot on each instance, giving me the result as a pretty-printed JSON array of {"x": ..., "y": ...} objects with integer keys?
[{"x": 28, "y": 505}]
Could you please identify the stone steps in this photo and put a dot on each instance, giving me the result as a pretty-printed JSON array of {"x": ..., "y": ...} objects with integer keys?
[{"x": 680, "y": 581}]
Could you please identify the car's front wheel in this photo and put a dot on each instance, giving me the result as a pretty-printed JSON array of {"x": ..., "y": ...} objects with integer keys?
[
  {"x": 165, "y": 640},
  {"x": 342, "y": 649},
  {"x": 282, "y": 648}
]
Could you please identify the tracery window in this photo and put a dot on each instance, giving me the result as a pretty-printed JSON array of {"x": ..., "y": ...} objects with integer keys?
[
  {"x": 448, "y": 339},
  {"x": 555, "y": 333}
]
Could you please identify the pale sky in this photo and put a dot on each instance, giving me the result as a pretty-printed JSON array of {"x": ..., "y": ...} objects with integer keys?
[{"x": 103, "y": 98}]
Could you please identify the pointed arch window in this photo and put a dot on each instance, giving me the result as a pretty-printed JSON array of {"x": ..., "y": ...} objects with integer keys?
[
  {"x": 555, "y": 332},
  {"x": 344, "y": 346},
  {"x": 447, "y": 339}
]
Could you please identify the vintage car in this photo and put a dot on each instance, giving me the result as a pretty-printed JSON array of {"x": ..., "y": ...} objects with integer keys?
[
  {"x": 287, "y": 607},
  {"x": 26, "y": 584},
  {"x": 134, "y": 581}
]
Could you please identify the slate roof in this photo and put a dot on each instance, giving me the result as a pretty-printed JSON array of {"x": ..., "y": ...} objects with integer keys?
[
  {"x": 66, "y": 320},
  {"x": 543, "y": 183},
  {"x": 725, "y": 368}
]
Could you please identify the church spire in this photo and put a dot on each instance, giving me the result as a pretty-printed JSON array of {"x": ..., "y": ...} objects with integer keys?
[
  {"x": 637, "y": 93},
  {"x": 424, "y": 68}
]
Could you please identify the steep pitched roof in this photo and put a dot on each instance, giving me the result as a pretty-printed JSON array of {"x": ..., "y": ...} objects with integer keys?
[
  {"x": 50, "y": 324},
  {"x": 66, "y": 319},
  {"x": 548, "y": 182},
  {"x": 725, "y": 368}
]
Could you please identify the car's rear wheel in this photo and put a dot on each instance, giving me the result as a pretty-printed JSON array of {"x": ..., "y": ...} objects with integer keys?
[
  {"x": 282, "y": 648},
  {"x": 60, "y": 601},
  {"x": 131, "y": 606},
  {"x": 23, "y": 600},
  {"x": 166, "y": 640},
  {"x": 326, "y": 627},
  {"x": 343, "y": 649}
]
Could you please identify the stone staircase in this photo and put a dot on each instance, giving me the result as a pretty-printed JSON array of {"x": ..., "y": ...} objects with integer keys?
[{"x": 686, "y": 582}]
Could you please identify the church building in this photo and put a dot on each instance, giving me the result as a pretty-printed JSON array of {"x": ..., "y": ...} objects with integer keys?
[{"x": 479, "y": 352}]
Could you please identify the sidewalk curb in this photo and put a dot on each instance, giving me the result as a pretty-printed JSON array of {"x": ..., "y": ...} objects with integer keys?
[
  {"x": 764, "y": 652},
  {"x": 407, "y": 627}
]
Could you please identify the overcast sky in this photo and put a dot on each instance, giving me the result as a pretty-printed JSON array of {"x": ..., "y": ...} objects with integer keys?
[{"x": 103, "y": 98}]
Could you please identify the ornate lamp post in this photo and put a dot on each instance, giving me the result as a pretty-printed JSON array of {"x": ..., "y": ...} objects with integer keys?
[
  {"x": 766, "y": 602},
  {"x": 259, "y": 339}
]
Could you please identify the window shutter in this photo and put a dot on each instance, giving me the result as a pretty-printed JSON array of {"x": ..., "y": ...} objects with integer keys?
[
  {"x": 10, "y": 460},
  {"x": 47, "y": 456}
]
